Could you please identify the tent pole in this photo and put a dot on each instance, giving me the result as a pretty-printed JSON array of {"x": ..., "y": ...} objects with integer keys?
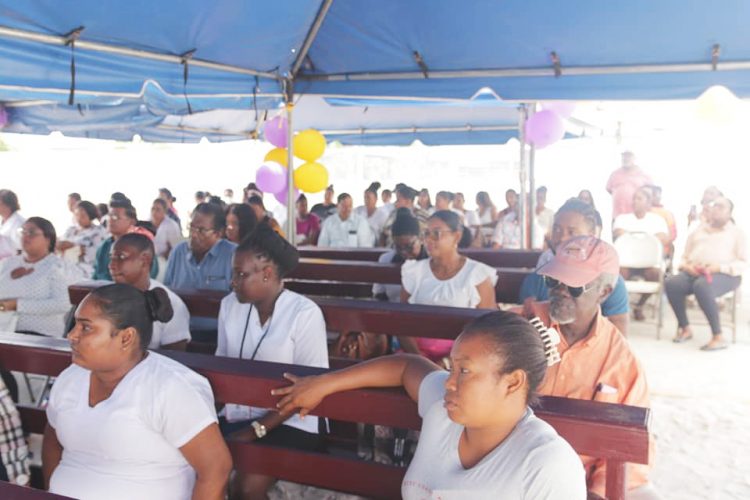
[
  {"x": 521, "y": 215},
  {"x": 310, "y": 38},
  {"x": 31, "y": 36},
  {"x": 532, "y": 194},
  {"x": 534, "y": 72},
  {"x": 291, "y": 216}
]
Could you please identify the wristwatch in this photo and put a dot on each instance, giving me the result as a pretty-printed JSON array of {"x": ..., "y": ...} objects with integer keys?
[{"x": 260, "y": 429}]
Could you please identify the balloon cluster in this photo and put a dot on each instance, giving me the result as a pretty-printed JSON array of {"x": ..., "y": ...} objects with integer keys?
[
  {"x": 546, "y": 127},
  {"x": 308, "y": 145}
]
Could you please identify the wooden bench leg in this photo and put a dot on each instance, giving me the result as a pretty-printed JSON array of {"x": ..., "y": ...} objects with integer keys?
[{"x": 615, "y": 489}]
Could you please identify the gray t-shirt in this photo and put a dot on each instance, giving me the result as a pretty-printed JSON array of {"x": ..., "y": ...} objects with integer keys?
[{"x": 533, "y": 462}]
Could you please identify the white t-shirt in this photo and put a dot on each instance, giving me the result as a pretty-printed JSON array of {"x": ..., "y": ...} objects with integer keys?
[
  {"x": 295, "y": 334},
  {"x": 459, "y": 291},
  {"x": 177, "y": 328},
  {"x": 532, "y": 463},
  {"x": 168, "y": 235},
  {"x": 392, "y": 291},
  {"x": 127, "y": 446},
  {"x": 649, "y": 224}
]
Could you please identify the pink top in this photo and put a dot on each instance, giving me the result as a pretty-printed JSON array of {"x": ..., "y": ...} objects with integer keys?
[
  {"x": 305, "y": 227},
  {"x": 622, "y": 185}
]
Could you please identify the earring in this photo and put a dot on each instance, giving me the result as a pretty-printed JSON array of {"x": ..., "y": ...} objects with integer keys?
[{"x": 265, "y": 279}]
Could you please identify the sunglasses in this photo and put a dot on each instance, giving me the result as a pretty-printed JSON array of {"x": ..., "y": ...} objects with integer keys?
[{"x": 574, "y": 291}]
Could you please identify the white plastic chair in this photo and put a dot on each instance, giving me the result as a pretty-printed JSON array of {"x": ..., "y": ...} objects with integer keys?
[{"x": 644, "y": 251}]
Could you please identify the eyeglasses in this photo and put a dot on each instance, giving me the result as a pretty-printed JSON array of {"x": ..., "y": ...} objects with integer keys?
[
  {"x": 574, "y": 291},
  {"x": 434, "y": 234},
  {"x": 201, "y": 230},
  {"x": 29, "y": 232}
]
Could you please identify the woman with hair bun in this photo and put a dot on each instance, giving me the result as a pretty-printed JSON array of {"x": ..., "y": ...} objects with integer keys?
[
  {"x": 124, "y": 422},
  {"x": 479, "y": 437},
  {"x": 375, "y": 216},
  {"x": 447, "y": 278},
  {"x": 263, "y": 321}
]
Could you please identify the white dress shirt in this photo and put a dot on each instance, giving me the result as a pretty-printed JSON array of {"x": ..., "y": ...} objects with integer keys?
[{"x": 352, "y": 232}]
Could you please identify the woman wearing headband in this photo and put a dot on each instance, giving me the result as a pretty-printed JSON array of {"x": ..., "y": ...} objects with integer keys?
[
  {"x": 479, "y": 437},
  {"x": 124, "y": 422},
  {"x": 263, "y": 321}
]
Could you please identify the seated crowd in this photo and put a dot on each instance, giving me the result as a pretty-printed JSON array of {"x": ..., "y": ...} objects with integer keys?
[{"x": 126, "y": 422}]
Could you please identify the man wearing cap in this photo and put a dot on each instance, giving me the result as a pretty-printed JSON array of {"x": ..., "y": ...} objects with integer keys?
[
  {"x": 404, "y": 199},
  {"x": 596, "y": 361},
  {"x": 624, "y": 182}
]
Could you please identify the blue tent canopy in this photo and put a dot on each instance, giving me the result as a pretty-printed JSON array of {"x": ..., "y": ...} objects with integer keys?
[{"x": 424, "y": 48}]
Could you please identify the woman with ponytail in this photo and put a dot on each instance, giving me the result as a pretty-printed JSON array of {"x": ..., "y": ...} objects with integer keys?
[
  {"x": 124, "y": 422},
  {"x": 479, "y": 437}
]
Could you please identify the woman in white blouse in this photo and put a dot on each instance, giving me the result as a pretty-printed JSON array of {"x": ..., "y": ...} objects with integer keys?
[
  {"x": 10, "y": 221},
  {"x": 447, "y": 278},
  {"x": 130, "y": 264},
  {"x": 263, "y": 321},
  {"x": 34, "y": 285},
  {"x": 84, "y": 238},
  {"x": 479, "y": 437},
  {"x": 124, "y": 422}
]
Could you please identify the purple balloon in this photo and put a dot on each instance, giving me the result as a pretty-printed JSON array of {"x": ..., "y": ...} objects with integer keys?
[
  {"x": 544, "y": 128},
  {"x": 564, "y": 109},
  {"x": 271, "y": 177},
  {"x": 281, "y": 196},
  {"x": 3, "y": 117},
  {"x": 275, "y": 131}
]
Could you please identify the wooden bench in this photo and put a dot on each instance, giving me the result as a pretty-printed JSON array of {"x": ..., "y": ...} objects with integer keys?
[
  {"x": 491, "y": 257},
  {"x": 358, "y": 277},
  {"x": 615, "y": 433},
  {"x": 10, "y": 491}
]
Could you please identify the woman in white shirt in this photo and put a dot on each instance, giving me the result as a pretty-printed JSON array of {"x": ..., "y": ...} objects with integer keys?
[
  {"x": 447, "y": 278},
  {"x": 374, "y": 216},
  {"x": 124, "y": 422},
  {"x": 82, "y": 240},
  {"x": 642, "y": 220},
  {"x": 10, "y": 220},
  {"x": 34, "y": 285},
  {"x": 262, "y": 321},
  {"x": 168, "y": 234},
  {"x": 479, "y": 437},
  {"x": 130, "y": 264}
]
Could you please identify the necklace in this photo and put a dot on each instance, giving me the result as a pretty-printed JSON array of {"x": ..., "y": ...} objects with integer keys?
[{"x": 264, "y": 334}]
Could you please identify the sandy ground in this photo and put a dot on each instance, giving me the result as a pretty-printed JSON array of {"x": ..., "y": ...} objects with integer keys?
[
  {"x": 701, "y": 410},
  {"x": 700, "y": 420}
]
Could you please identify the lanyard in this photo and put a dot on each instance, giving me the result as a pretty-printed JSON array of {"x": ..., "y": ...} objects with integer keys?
[{"x": 263, "y": 336}]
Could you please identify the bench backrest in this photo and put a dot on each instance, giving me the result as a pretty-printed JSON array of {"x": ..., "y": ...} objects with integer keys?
[
  {"x": 491, "y": 257},
  {"x": 615, "y": 433},
  {"x": 331, "y": 273}
]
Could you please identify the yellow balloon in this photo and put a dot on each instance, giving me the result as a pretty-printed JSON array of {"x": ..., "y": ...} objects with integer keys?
[
  {"x": 311, "y": 177},
  {"x": 309, "y": 145},
  {"x": 279, "y": 155}
]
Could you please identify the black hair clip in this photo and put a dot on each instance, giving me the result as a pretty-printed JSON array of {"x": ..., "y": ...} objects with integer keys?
[{"x": 550, "y": 339}]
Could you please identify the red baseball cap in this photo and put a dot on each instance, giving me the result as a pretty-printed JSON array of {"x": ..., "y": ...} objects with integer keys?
[{"x": 581, "y": 260}]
